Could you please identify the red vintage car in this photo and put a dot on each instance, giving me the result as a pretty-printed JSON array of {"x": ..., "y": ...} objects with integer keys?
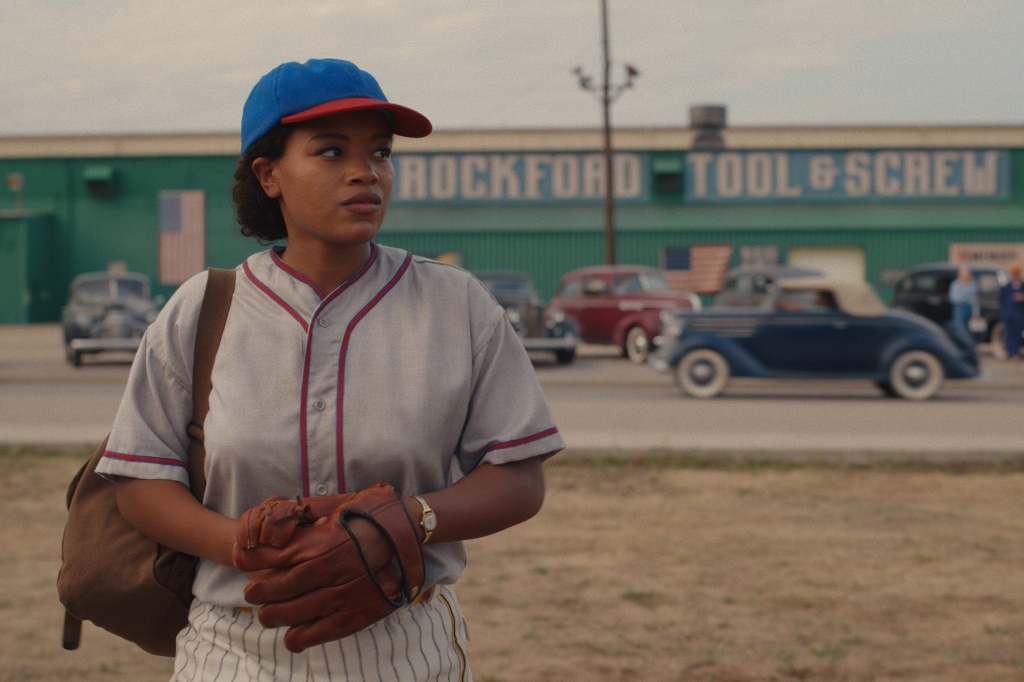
[{"x": 618, "y": 304}]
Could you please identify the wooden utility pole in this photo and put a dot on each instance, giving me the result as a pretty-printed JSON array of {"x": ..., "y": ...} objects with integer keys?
[
  {"x": 607, "y": 93},
  {"x": 606, "y": 101}
]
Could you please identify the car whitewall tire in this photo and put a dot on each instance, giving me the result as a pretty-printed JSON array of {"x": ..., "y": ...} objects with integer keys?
[
  {"x": 916, "y": 375},
  {"x": 638, "y": 346},
  {"x": 702, "y": 373},
  {"x": 997, "y": 341}
]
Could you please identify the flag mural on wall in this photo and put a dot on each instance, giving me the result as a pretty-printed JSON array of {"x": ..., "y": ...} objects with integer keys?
[
  {"x": 182, "y": 248},
  {"x": 699, "y": 268}
]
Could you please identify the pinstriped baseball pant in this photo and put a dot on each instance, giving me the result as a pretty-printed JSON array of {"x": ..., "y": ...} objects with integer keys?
[{"x": 419, "y": 643}]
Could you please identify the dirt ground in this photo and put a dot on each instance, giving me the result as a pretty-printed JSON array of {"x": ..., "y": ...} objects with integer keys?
[{"x": 662, "y": 571}]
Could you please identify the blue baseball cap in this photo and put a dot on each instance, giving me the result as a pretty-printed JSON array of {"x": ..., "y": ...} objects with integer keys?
[{"x": 295, "y": 92}]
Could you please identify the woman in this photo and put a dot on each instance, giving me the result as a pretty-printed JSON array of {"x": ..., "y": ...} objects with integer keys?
[
  {"x": 963, "y": 297},
  {"x": 343, "y": 363}
]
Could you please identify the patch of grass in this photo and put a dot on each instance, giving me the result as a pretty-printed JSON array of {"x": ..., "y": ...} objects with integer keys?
[
  {"x": 788, "y": 665},
  {"x": 646, "y": 599},
  {"x": 540, "y": 570},
  {"x": 26, "y": 451},
  {"x": 755, "y": 461},
  {"x": 826, "y": 650}
]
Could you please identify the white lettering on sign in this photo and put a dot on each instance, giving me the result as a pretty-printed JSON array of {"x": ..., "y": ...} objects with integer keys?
[
  {"x": 782, "y": 179},
  {"x": 944, "y": 172},
  {"x": 530, "y": 177},
  {"x": 444, "y": 179},
  {"x": 759, "y": 174},
  {"x": 504, "y": 179},
  {"x": 565, "y": 176},
  {"x": 885, "y": 184},
  {"x": 730, "y": 174},
  {"x": 627, "y": 175},
  {"x": 981, "y": 181},
  {"x": 412, "y": 177},
  {"x": 593, "y": 176},
  {"x": 856, "y": 175},
  {"x": 823, "y": 173},
  {"x": 699, "y": 163},
  {"x": 916, "y": 175},
  {"x": 473, "y": 167}
]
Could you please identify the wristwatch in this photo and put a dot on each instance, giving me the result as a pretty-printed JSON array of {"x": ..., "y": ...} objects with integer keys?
[{"x": 428, "y": 522}]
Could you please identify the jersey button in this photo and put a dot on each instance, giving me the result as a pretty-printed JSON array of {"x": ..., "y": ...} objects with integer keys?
[
  {"x": 319, "y": 405},
  {"x": 323, "y": 322},
  {"x": 321, "y": 489}
]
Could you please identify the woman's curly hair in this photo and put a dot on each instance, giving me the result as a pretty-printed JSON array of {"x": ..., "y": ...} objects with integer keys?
[{"x": 258, "y": 215}]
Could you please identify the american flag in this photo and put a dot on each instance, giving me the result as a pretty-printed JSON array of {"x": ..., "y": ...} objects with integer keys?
[
  {"x": 182, "y": 235},
  {"x": 699, "y": 268}
]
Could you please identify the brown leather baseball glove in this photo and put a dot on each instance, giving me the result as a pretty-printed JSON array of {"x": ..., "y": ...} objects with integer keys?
[{"x": 323, "y": 586}]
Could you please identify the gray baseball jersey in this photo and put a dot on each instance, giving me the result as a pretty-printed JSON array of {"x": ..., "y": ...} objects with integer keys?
[{"x": 407, "y": 373}]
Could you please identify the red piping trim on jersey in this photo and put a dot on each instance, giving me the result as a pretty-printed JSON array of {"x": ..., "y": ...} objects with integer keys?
[
  {"x": 341, "y": 363},
  {"x": 296, "y": 274},
  {"x": 274, "y": 297},
  {"x": 144, "y": 460},
  {"x": 519, "y": 441},
  {"x": 303, "y": 441}
]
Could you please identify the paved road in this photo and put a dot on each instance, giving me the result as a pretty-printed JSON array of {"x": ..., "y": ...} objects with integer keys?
[{"x": 602, "y": 402}]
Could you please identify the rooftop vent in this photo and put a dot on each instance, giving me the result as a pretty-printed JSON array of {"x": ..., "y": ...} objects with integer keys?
[{"x": 707, "y": 121}]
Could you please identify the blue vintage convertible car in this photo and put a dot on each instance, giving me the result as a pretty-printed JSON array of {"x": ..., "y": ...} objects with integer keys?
[{"x": 813, "y": 328}]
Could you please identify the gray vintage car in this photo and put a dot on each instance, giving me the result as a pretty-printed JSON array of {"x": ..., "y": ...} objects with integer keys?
[
  {"x": 525, "y": 311},
  {"x": 107, "y": 312}
]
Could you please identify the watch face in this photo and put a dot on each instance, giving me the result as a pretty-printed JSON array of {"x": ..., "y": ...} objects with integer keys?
[{"x": 429, "y": 522}]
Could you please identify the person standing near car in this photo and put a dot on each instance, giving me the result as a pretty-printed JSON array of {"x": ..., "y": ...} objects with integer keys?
[
  {"x": 963, "y": 296},
  {"x": 1011, "y": 310}
]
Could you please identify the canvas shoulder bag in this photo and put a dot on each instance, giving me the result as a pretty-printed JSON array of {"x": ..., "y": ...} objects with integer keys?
[{"x": 113, "y": 575}]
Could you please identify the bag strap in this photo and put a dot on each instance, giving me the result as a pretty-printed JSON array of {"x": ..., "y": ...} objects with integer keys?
[{"x": 220, "y": 287}]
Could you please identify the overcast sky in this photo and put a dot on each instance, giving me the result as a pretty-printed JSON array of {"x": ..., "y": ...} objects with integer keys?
[{"x": 112, "y": 66}]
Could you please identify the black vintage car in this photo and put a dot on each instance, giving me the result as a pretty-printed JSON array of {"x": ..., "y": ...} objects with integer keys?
[
  {"x": 525, "y": 311},
  {"x": 925, "y": 290},
  {"x": 106, "y": 311}
]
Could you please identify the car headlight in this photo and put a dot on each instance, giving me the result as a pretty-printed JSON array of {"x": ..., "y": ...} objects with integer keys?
[
  {"x": 83, "y": 320},
  {"x": 671, "y": 324},
  {"x": 556, "y": 317},
  {"x": 514, "y": 316}
]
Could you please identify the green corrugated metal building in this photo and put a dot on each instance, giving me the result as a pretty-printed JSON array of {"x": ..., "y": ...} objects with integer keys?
[{"x": 860, "y": 201}]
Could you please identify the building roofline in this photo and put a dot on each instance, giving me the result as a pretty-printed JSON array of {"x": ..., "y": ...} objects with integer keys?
[{"x": 545, "y": 139}]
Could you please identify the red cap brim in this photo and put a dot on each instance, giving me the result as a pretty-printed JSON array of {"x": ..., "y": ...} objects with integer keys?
[{"x": 404, "y": 121}]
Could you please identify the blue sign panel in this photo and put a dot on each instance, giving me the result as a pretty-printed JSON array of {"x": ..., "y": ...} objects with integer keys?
[
  {"x": 955, "y": 175},
  {"x": 520, "y": 178}
]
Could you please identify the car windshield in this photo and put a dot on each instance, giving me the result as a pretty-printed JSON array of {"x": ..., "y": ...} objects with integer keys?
[
  {"x": 654, "y": 282},
  {"x": 505, "y": 287},
  {"x": 93, "y": 288},
  {"x": 131, "y": 287}
]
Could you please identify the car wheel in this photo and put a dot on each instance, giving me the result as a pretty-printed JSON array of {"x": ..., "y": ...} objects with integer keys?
[
  {"x": 702, "y": 373},
  {"x": 916, "y": 375},
  {"x": 997, "y": 342},
  {"x": 638, "y": 346},
  {"x": 74, "y": 357},
  {"x": 565, "y": 357},
  {"x": 886, "y": 388}
]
